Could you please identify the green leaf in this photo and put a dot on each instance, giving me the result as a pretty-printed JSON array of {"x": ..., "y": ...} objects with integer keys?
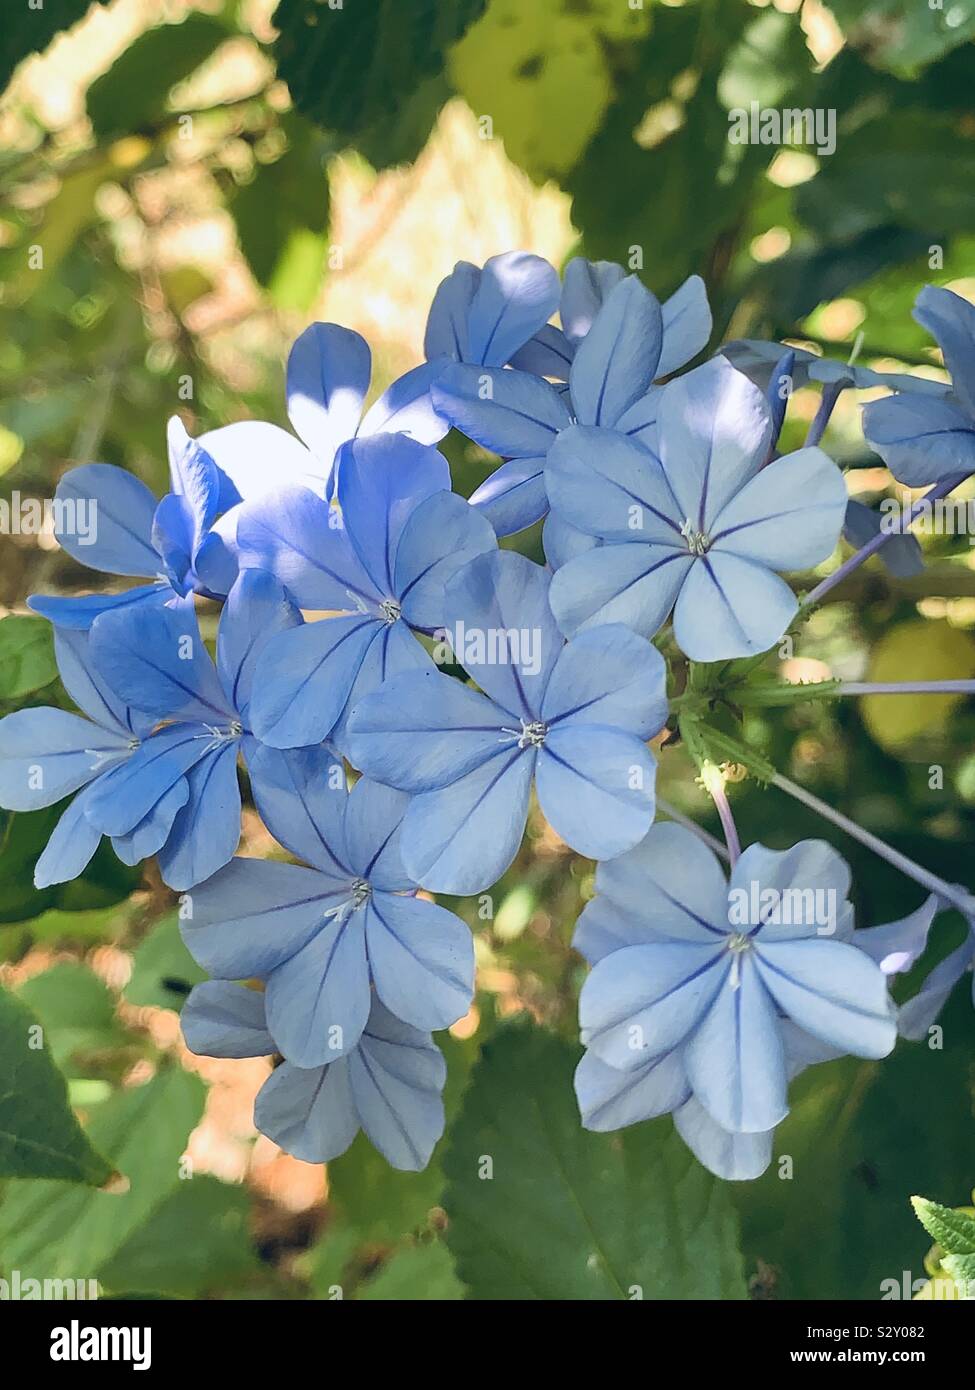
[
  {"x": 953, "y": 1230},
  {"x": 56, "y": 1230},
  {"x": 706, "y": 744},
  {"x": 351, "y": 67},
  {"x": 195, "y": 1243},
  {"x": 39, "y": 1134},
  {"x": 132, "y": 96},
  {"x": 960, "y": 1267},
  {"x": 540, "y": 1208},
  {"x": 29, "y": 29},
  {"x": 26, "y": 656},
  {"x": 903, "y": 36},
  {"x": 75, "y": 1008},
  {"x": 163, "y": 971},
  {"x": 23, "y": 839},
  {"x": 417, "y": 1272}
]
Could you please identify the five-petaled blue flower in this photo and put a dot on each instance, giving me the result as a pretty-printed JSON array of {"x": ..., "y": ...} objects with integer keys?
[
  {"x": 572, "y": 716},
  {"x": 324, "y": 938},
  {"x": 700, "y": 526},
  {"x": 486, "y": 315},
  {"x": 389, "y": 1085}
]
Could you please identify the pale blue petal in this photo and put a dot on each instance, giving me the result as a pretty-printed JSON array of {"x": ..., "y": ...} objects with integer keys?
[
  {"x": 608, "y": 675},
  {"x": 951, "y": 322},
  {"x": 632, "y": 584},
  {"x": 257, "y": 608},
  {"x": 789, "y": 517},
  {"x": 617, "y": 360},
  {"x": 406, "y": 407},
  {"x": 515, "y": 414},
  {"x": 595, "y": 786},
  {"x": 394, "y": 652},
  {"x": 206, "y": 831},
  {"x": 90, "y": 692},
  {"x": 831, "y": 990},
  {"x": 901, "y": 555},
  {"x": 397, "y": 1075},
  {"x": 328, "y": 376},
  {"x": 922, "y": 439},
  {"x": 308, "y": 1112},
  {"x": 513, "y": 497},
  {"x": 220, "y": 1019},
  {"x": 611, "y": 1099},
  {"x": 920, "y": 1011},
  {"x": 318, "y": 1001},
  {"x": 729, "y": 607},
  {"x": 612, "y": 488},
  {"x": 70, "y": 849},
  {"x": 259, "y": 458},
  {"x": 78, "y": 614},
  {"x": 639, "y": 421},
  {"x": 687, "y": 325},
  {"x": 127, "y": 793},
  {"x": 733, "y": 1157},
  {"x": 195, "y": 479},
  {"x": 107, "y": 519},
  {"x": 372, "y": 827},
  {"x": 148, "y": 837},
  {"x": 516, "y": 294},
  {"x": 441, "y": 535},
  {"x": 46, "y": 754},
  {"x": 548, "y": 353},
  {"x": 300, "y": 794},
  {"x": 422, "y": 960},
  {"x": 585, "y": 286},
  {"x": 562, "y": 541},
  {"x": 807, "y": 882},
  {"x": 446, "y": 331}
]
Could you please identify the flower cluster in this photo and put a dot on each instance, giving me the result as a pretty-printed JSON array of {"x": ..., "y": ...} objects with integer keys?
[{"x": 349, "y": 573}]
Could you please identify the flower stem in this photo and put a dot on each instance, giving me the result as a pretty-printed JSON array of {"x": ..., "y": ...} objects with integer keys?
[
  {"x": 714, "y": 783},
  {"x": 950, "y": 894},
  {"x": 881, "y": 538},
  {"x": 827, "y": 403},
  {"x": 906, "y": 688},
  {"x": 680, "y": 819}
]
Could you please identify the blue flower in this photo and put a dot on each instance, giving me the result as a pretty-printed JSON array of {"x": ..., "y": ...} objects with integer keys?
[
  {"x": 701, "y": 529},
  {"x": 177, "y": 795},
  {"x": 328, "y": 375},
  {"x": 324, "y": 937},
  {"x": 618, "y": 342},
  {"x": 381, "y": 560},
  {"x": 486, "y": 316},
  {"x": 47, "y": 754},
  {"x": 572, "y": 716},
  {"x": 699, "y": 973},
  {"x": 898, "y": 945},
  {"x": 184, "y": 543},
  {"x": 923, "y": 437},
  {"x": 389, "y": 1085}
]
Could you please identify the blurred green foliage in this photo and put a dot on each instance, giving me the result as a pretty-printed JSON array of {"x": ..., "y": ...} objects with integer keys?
[{"x": 102, "y": 337}]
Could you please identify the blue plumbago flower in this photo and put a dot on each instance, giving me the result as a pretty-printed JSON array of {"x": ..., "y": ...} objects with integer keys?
[
  {"x": 324, "y": 937},
  {"x": 700, "y": 527},
  {"x": 486, "y": 316},
  {"x": 184, "y": 542},
  {"x": 380, "y": 561},
  {"x": 572, "y": 716},
  {"x": 177, "y": 795},
  {"x": 898, "y": 945},
  {"x": 389, "y": 1085},
  {"x": 618, "y": 350},
  {"x": 47, "y": 754},
  {"x": 697, "y": 973},
  {"x": 923, "y": 437},
  {"x": 328, "y": 375}
]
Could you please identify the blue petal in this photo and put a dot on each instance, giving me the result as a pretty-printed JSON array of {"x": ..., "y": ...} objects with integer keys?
[
  {"x": 443, "y": 533},
  {"x": 318, "y": 1001},
  {"x": 810, "y": 866},
  {"x": 172, "y": 538},
  {"x": 215, "y": 563},
  {"x": 608, "y": 675},
  {"x": 422, "y": 960},
  {"x": 639, "y": 421},
  {"x": 148, "y": 837},
  {"x": 46, "y": 754},
  {"x": 382, "y": 481},
  {"x": 300, "y": 794},
  {"x": 424, "y": 730},
  {"x": 595, "y": 787},
  {"x": 670, "y": 887},
  {"x": 397, "y": 1075},
  {"x": 258, "y": 458},
  {"x": 831, "y": 990},
  {"x": 951, "y": 322},
  {"x": 616, "y": 362},
  {"x": 502, "y": 628},
  {"x": 922, "y": 439},
  {"x": 902, "y": 555},
  {"x": 406, "y": 407},
  {"x": 254, "y": 915},
  {"x": 309, "y": 1112},
  {"x": 195, "y": 478},
  {"x": 644, "y": 1000},
  {"x": 562, "y": 541},
  {"x": 548, "y": 353},
  {"x": 257, "y": 608},
  {"x": 512, "y": 413},
  {"x": 632, "y": 584},
  {"x": 714, "y": 428},
  {"x": 612, "y": 488},
  {"x": 735, "y": 1059},
  {"x": 920, "y": 1012},
  {"x": 154, "y": 658},
  {"x": 119, "y": 509},
  {"x": 328, "y": 376},
  {"x": 127, "y": 793},
  {"x": 446, "y": 331},
  {"x": 516, "y": 294},
  {"x": 220, "y": 1019},
  {"x": 84, "y": 683},
  {"x": 78, "y": 614},
  {"x": 610, "y": 1099},
  {"x": 372, "y": 827},
  {"x": 300, "y": 539},
  {"x": 394, "y": 652},
  {"x": 584, "y": 289},
  {"x": 896, "y": 946},
  {"x": 463, "y": 837},
  {"x": 789, "y": 517},
  {"x": 304, "y": 677},
  {"x": 513, "y": 497},
  {"x": 206, "y": 831},
  {"x": 69, "y": 850},
  {"x": 729, "y": 607},
  {"x": 734, "y": 1157},
  {"x": 687, "y": 325}
]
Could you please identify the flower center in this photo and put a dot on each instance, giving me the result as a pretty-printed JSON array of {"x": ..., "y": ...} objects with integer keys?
[
  {"x": 361, "y": 892},
  {"x": 738, "y": 944},
  {"x": 389, "y": 611},
  {"x": 697, "y": 541},
  {"x": 531, "y": 735}
]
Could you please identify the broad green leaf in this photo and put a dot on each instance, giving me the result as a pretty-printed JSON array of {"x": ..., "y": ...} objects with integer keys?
[
  {"x": 195, "y": 1243},
  {"x": 132, "y": 96},
  {"x": 903, "y": 36},
  {"x": 26, "y": 656},
  {"x": 417, "y": 1272},
  {"x": 961, "y": 1268},
  {"x": 76, "y": 1009},
  {"x": 39, "y": 1134},
  {"x": 953, "y": 1230},
  {"x": 163, "y": 971},
  {"x": 327, "y": 1263},
  {"x": 57, "y": 1230},
  {"x": 350, "y": 67},
  {"x": 538, "y": 1207}
]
